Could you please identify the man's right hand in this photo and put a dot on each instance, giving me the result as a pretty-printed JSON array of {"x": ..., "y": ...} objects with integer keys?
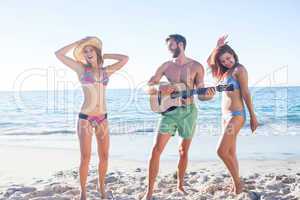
[{"x": 209, "y": 94}]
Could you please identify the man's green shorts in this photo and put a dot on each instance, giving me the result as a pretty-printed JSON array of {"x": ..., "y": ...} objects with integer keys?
[{"x": 182, "y": 119}]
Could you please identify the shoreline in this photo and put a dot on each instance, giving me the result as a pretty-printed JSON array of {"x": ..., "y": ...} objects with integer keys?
[{"x": 41, "y": 156}]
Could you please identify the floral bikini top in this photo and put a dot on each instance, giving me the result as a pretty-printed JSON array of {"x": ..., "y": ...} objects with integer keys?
[{"x": 88, "y": 78}]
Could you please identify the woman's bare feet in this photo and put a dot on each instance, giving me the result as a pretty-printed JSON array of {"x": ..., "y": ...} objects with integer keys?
[
  {"x": 101, "y": 190},
  {"x": 181, "y": 190},
  {"x": 146, "y": 196},
  {"x": 238, "y": 187}
]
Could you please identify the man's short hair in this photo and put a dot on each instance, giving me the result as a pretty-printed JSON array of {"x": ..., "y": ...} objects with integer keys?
[{"x": 178, "y": 38}]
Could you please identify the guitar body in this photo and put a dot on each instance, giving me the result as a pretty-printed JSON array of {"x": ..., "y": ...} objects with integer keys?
[{"x": 160, "y": 103}]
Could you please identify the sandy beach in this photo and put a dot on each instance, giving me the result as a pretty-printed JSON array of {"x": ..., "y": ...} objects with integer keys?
[
  {"x": 276, "y": 179},
  {"x": 47, "y": 168}
]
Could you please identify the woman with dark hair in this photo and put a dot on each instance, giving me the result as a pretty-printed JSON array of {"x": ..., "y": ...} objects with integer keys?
[
  {"x": 225, "y": 67},
  {"x": 88, "y": 65}
]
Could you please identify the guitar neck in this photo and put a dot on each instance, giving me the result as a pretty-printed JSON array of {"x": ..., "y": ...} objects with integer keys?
[
  {"x": 200, "y": 91},
  {"x": 189, "y": 93}
]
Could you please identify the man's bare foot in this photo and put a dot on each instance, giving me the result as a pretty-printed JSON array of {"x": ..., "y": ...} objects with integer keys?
[
  {"x": 107, "y": 195},
  {"x": 181, "y": 190},
  {"x": 103, "y": 195},
  {"x": 83, "y": 195},
  {"x": 147, "y": 197}
]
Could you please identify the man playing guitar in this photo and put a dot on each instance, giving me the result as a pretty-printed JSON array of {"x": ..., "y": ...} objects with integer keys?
[{"x": 181, "y": 119}]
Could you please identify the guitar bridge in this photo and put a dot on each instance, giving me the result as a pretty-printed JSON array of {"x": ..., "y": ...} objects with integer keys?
[{"x": 159, "y": 97}]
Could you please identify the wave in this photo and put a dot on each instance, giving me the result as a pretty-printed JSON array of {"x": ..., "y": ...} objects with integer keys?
[
  {"x": 41, "y": 133},
  {"x": 138, "y": 131},
  {"x": 69, "y": 132},
  {"x": 8, "y": 123},
  {"x": 147, "y": 130}
]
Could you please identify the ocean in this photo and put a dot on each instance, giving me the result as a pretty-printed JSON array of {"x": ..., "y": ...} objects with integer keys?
[
  {"x": 38, "y": 138},
  {"x": 42, "y": 113}
]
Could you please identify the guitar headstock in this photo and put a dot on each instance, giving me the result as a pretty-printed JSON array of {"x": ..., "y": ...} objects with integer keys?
[{"x": 221, "y": 88}]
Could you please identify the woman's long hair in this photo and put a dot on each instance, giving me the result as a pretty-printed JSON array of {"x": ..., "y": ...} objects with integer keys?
[{"x": 217, "y": 69}]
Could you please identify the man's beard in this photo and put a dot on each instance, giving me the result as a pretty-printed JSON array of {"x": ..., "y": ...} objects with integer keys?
[{"x": 176, "y": 52}]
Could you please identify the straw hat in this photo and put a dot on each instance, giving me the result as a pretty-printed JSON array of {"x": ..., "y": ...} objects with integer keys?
[{"x": 90, "y": 41}]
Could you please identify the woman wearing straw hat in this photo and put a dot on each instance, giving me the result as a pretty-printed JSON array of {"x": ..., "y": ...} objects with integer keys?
[{"x": 88, "y": 65}]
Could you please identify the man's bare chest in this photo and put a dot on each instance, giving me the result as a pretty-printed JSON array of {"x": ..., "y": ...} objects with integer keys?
[{"x": 181, "y": 74}]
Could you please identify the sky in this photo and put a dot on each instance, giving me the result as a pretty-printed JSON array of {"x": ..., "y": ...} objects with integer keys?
[{"x": 265, "y": 35}]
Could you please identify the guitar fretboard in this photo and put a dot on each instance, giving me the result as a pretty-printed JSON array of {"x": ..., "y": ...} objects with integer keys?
[{"x": 188, "y": 93}]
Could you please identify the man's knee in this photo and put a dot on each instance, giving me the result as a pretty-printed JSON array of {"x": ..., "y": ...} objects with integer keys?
[
  {"x": 183, "y": 153},
  {"x": 157, "y": 150}
]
